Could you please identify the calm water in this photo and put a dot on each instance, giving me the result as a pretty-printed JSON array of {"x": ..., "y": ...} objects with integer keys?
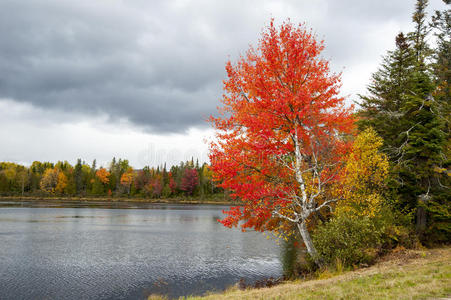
[{"x": 102, "y": 253}]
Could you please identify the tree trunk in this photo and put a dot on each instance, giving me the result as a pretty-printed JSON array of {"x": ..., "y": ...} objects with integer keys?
[
  {"x": 309, "y": 243},
  {"x": 421, "y": 214}
]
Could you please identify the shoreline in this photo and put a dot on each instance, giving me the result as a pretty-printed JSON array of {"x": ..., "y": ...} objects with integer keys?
[
  {"x": 111, "y": 200},
  {"x": 404, "y": 274}
]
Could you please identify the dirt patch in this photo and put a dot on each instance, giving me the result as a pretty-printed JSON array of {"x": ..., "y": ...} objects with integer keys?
[{"x": 401, "y": 255}]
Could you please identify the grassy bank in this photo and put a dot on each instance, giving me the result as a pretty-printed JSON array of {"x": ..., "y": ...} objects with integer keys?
[
  {"x": 220, "y": 200},
  {"x": 402, "y": 275}
]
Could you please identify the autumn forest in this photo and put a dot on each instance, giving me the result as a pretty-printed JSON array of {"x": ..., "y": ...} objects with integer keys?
[{"x": 119, "y": 179}]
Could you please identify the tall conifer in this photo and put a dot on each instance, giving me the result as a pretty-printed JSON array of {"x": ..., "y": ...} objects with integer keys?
[{"x": 404, "y": 109}]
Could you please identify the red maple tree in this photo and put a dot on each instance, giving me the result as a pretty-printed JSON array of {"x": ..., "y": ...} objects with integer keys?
[
  {"x": 190, "y": 181},
  {"x": 281, "y": 133},
  {"x": 172, "y": 183},
  {"x": 157, "y": 187}
]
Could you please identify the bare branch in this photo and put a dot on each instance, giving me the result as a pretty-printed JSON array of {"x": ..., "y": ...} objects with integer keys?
[
  {"x": 326, "y": 203},
  {"x": 275, "y": 212}
]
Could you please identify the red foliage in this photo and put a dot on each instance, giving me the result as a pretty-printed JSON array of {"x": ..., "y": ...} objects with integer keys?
[
  {"x": 157, "y": 187},
  {"x": 141, "y": 179},
  {"x": 190, "y": 181},
  {"x": 277, "y": 94},
  {"x": 172, "y": 184}
]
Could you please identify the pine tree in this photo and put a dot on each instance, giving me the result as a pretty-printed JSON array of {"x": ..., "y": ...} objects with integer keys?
[
  {"x": 426, "y": 139},
  {"x": 418, "y": 37},
  {"x": 94, "y": 166},
  {"x": 441, "y": 22},
  {"x": 403, "y": 110},
  {"x": 381, "y": 109},
  {"x": 423, "y": 143},
  {"x": 439, "y": 208},
  {"x": 78, "y": 176}
]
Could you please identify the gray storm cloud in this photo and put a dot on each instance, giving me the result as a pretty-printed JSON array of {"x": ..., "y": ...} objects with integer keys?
[{"x": 159, "y": 64}]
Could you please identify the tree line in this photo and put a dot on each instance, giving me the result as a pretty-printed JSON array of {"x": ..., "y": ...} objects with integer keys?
[{"x": 118, "y": 179}]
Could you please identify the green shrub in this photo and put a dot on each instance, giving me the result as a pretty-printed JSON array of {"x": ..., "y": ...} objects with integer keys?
[
  {"x": 396, "y": 229},
  {"x": 354, "y": 240},
  {"x": 350, "y": 240}
]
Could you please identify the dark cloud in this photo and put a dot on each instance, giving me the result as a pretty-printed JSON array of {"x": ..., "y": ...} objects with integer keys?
[{"x": 159, "y": 64}]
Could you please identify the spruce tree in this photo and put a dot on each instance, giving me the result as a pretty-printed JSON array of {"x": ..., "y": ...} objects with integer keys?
[
  {"x": 403, "y": 108},
  {"x": 439, "y": 208},
  {"x": 78, "y": 176},
  {"x": 418, "y": 37},
  {"x": 381, "y": 109},
  {"x": 441, "y": 22},
  {"x": 426, "y": 144}
]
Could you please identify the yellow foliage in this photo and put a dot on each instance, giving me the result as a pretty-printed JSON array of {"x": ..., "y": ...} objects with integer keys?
[
  {"x": 206, "y": 172},
  {"x": 10, "y": 172},
  {"x": 62, "y": 183},
  {"x": 49, "y": 180},
  {"x": 364, "y": 178},
  {"x": 127, "y": 177}
]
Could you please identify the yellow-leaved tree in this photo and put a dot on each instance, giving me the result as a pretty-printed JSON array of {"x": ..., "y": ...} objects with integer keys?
[
  {"x": 364, "y": 176},
  {"x": 127, "y": 179},
  {"x": 62, "y": 183},
  {"x": 49, "y": 180}
]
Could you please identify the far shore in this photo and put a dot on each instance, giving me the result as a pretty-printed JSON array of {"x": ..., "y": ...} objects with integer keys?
[{"x": 109, "y": 200}]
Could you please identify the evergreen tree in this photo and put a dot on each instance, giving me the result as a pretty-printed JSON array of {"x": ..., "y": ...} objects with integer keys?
[
  {"x": 426, "y": 140},
  {"x": 94, "y": 166},
  {"x": 381, "y": 109},
  {"x": 439, "y": 208},
  {"x": 78, "y": 176},
  {"x": 423, "y": 144},
  {"x": 422, "y": 50},
  {"x": 441, "y": 22},
  {"x": 403, "y": 110}
]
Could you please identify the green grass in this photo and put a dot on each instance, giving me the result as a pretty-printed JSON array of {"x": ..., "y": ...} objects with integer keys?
[{"x": 412, "y": 275}]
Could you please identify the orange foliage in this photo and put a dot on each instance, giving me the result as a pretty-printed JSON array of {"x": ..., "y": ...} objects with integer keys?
[
  {"x": 281, "y": 112},
  {"x": 127, "y": 177},
  {"x": 103, "y": 175}
]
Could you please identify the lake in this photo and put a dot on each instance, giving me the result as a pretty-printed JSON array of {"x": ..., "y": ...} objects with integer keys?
[{"x": 126, "y": 253}]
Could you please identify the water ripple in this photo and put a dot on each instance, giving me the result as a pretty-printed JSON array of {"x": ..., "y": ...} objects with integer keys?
[{"x": 92, "y": 253}]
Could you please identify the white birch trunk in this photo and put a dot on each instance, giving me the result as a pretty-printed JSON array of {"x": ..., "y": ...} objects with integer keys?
[
  {"x": 309, "y": 243},
  {"x": 305, "y": 204}
]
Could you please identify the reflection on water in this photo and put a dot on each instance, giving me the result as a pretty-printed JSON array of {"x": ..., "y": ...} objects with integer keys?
[{"x": 101, "y": 253}]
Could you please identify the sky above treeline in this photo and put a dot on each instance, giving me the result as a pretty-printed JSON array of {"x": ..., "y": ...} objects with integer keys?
[{"x": 137, "y": 79}]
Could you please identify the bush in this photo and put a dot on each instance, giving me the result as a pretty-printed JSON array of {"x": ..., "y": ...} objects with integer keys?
[
  {"x": 396, "y": 230},
  {"x": 353, "y": 240},
  {"x": 350, "y": 240}
]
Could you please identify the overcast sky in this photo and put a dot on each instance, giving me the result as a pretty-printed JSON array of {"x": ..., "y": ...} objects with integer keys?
[{"x": 136, "y": 78}]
